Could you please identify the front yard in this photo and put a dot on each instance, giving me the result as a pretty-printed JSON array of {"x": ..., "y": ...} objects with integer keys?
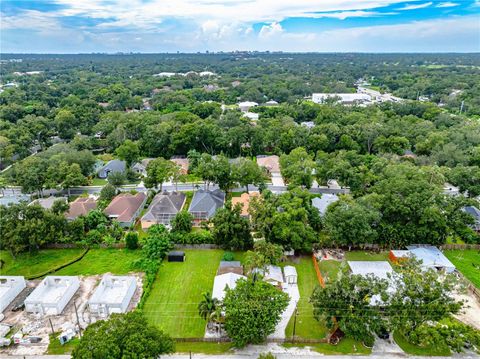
[{"x": 173, "y": 301}]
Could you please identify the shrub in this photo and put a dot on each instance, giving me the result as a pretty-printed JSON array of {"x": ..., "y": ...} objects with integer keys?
[
  {"x": 228, "y": 257},
  {"x": 131, "y": 240}
]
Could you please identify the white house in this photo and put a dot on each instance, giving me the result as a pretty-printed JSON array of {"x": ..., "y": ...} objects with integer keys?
[
  {"x": 378, "y": 269},
  {"x": 113, "y": 295},
  {"x": 52, "y": 295},
  {"x": 431, "y": 257},
  {"x": 272, "y": 275},
  {"x": 222, "y": 281},
  {"x": 10, "y": 287},
  {"x": 343, "y": 98},
  {"x": 246, "y": 105},
  {"x": 290, "y": 273},
  {"x": 252, "y": 116}
]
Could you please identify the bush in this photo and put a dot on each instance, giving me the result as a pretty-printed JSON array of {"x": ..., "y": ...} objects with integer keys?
[
  {"x": 197, "y": 237},
  {"x": 131, "y": 240},
  {"x": 228, "y": 257},
  {"x": 182, "y": 223}
]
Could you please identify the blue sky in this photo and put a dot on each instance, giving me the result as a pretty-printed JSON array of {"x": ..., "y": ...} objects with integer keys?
[{"x": 73, "y": 26}]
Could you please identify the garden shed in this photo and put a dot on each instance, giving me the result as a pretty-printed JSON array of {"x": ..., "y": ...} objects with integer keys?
[
  {"x": 290, "y": 273},
  {"x": 10, "y": 287},
  {"x": 176, "y": 256},
  {"x": 52, "y": 295},
  {"x": 113, "y": 295}
]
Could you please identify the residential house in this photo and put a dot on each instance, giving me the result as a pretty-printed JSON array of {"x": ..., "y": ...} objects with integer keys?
[
  {"x": 308, "y": 124},
  {"x": 378, "y": 269},
  {"x": 113, "y": 166},
  {"x": 450, "y": 189},
  {"x": 163, "y": 209},
  {"x": 430, "y": 257},
  {"x": 343, "y": 98},
  {"x": 270, "y": 163},
  {"x": 126, "y": 207},
  {"x": 322, "y": 203},
  {"x": 247, "y": 105},
  {"x": 272, "y": 275},
  {"x": 204, "y": 205},
  {"x": 224, "y": 281},
  {"x": 47, "y": 203},
  {"x": 230, "y": 267},
  {"x": 244, "y": 201},
  {"x": 183, "y": 163},
  {"x": 141, "y": 167},
  {"x": 80, "y": 207},
  {"x": 475, "y": 213},
  {"x": 252, "y": 116},
  {"x": 271, "y": 103}
]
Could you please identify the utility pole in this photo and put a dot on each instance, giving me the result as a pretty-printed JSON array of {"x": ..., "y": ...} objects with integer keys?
[
  {"x": 51, "y": 325},
  {"x": 294, "y": 324},
  {"x": 78, "y": 320}
]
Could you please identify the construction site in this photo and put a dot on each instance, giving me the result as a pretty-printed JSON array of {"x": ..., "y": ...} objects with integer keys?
[{"x": 60, "y": 307}]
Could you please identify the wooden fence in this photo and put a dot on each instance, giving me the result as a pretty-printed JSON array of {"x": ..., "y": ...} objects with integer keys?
[{"x": 317, "y": 270}]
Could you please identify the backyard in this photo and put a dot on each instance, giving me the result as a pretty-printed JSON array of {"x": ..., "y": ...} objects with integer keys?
[
  {"x": 467, "y": 262},
  {"x": 172, "y": 303}
]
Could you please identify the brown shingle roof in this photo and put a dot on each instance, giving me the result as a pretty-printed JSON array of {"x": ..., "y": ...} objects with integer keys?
[
  {"x": 244, "y": 200},
  {"x": 124, "y": 206},
  {"x": 271, "y": 163},
  {"x": 80, "y": 207},
  {"x": 183, "y": 163}
]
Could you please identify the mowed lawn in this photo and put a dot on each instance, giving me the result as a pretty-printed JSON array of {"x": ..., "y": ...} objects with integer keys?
[
  {"x": 468, "y": 262},
  {"x": 99, "y": 261},
  {"x": 366, "y": 256},
  {"x": 173, "y": 301},
  {"x": 307, "y": 326},
  {"x": 28, "y": 265}
]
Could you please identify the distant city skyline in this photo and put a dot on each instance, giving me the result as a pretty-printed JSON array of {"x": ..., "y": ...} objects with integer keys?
[{"x": 74, "y": 26}]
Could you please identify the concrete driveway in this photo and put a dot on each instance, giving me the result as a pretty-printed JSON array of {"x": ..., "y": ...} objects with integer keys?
[{"x": 294, "y": 294}]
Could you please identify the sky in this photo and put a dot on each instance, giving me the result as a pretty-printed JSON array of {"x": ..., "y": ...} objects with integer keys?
[{"x": 153, "y": 26}]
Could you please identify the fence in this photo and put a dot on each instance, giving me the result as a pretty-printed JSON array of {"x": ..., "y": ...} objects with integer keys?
[
  {"x": 317, "y": 270},
  {"x": 268, "y": 340},
  {"x": 56, "y": 269},
  {"x": 197, "y": 246},
  {"x": 460, "y": 246}
]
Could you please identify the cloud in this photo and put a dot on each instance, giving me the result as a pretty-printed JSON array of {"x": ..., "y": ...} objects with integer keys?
[
  {"x": 414, "y": 7},
  {"x": 447, "y": 4},
  {"x": 270, "y": 30}
]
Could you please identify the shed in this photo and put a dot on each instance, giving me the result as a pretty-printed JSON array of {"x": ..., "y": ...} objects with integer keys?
[
  {"x": 10, "y": 287},
  {"x": 52, "y": 295},
  {"x": 431, "y": 257},
  {"x": 113, "y": 295},
  {"x": 272, "y": 275},
  {"x": 176, "y": 256},
  {"x": 290, "y": 273}
]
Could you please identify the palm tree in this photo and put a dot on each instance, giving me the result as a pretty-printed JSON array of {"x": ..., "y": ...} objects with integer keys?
[{"x": 207, "y": 306}]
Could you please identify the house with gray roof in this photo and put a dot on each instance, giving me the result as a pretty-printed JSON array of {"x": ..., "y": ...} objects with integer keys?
[
  {"x": 322, "y": 203},
  {"x": 112, "y": 166},
  {"x": 47, "y": 203},
  {"x": 204, "y": 205},
  {"x": 141, "y": 167},
  {"x": 475, "y": 213},
  {"x": 163, "y": 209}
]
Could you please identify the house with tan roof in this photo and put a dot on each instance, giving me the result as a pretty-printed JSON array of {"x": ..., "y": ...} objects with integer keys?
[
  {"x": 270, "y": 163},
  {"x": 163, "y": 209},
  {"x": 183, "y": 163},
  {"x": 125, "y": 208},
  {"x": 80, "y": 207},
  {"x": 244, "y": 201}
]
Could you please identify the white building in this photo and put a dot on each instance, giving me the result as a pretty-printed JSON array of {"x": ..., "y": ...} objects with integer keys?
[
  {"x": 52, "y": 295},
  {"x": 308, "y": 124},
  {"x": 273, "y": 275},
  {"x": 222, "y": 281},
  {"x": 378, "y": 269},
  {"x": 290, "y": 273},
  {"x": 246, "y": 105},
  {"x": 431, "y": 258},
  {"x": 271, "y": 103},
  {"x": 251, "y": 115},
  {"x": 165, "y": 74},
  {"x": 113, "y": 295},
  {"x": 344, "y": 98},
  {"x": 10, "y": 287}
]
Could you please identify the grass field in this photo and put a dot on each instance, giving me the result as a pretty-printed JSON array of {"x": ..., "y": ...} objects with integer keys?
[
  {"x": 366, "y": 256},
  {"x": 468, "y": 262},
  {"x": 416, "y": 350},
  {"x": 28, "y": 265},
  {"x": 307, "y": 326},
  {"x": 99, "y": 261},
  {"x": 346, "y": 346},
  {"x": 203, "y": 347},
  {"x": 172, "y": 304},
  {"x": 55, "y": 348},
  {"x": 329, "y": 269}
]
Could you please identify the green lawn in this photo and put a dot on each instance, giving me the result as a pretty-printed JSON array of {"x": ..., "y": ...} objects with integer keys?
[
  {"x": 55, "y": 348},
  {"x": 172, "y": 303},
  {"x": 203, "y": 347},
  {"x": 307, "y": 326},
  {"x": 416, "y": 350},
  {"x": 468, "y": 262},
  {"x": 99, "y": 261},
  {"x": 346, "y": 346},
  {"x": 29, "y": 265},
  {"x": 329, "y": 269},
  {"x": 98, "y": 181},
  {"x": 366, "y": 256}
]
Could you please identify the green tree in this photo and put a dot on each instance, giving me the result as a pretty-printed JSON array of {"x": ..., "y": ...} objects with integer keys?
[
  {"x": 117, "y": 179},
  {"x": 157, "y": 243},
  {"x": 128, "y": 152},
  {"x": 74, "y": 177},
  {"x": 207, "y": 306},
  {"x": 182, "y": 222},
  {"x": 65, "y": 122},
  {"x": 297, "y": 167},
  {"x": 247, "y": 172},
  {"x": 131, "y": 240},
  {"x": 230, "y": 229},
  {"x": 123, "y": 336},
  {"x": 252, "y": 310},
  {"x": 107, "y": 193},
  {"x": 159, "y": 171},
  {"x": 223, "y": 175}
]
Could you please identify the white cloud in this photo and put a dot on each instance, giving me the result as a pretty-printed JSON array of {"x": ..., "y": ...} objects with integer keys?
[
  {"x": 447, "y": 4},
  {"x": 270, "y": 30},
  {"x": 414, "y": 7}
]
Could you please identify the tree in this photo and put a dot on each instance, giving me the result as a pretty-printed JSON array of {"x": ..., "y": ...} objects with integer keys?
[
  {"x": 205, "y": 169},
  {"x": 247, "y": 172},
  {"x": 128, "y": 151},
  {"x": 123, "y": 336},
  {"x": 351, "y": 223},
  {"x": 157, "y": 243},
  {"x": 73, "y": 177},
  {"x": 182, "y": 222},
  {"x": 252, "y": 310},
  {"x": 346, "y": 303},
  {"x": 297, "y": 167},
  {"x": 230, "y": 229},
  {"x": 223, "y": 175},
  {"x": 107, "y": 193},
  {"x": 116, "y": 179},
  {"x": 263, "y": 254},
  {"x": 131, "y": 240},
  {"x": 158, "y": 171},
  {"x": 207, "y": 306},
  {"x": 65, "y": 123},
  {"x": 60, "y": 207}
]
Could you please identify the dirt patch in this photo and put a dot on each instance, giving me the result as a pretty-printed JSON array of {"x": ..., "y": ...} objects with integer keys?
[
  {"x": 36, "y": 325},
  {"x": 469, "y": 314},
  {"x": 329, "y": 254}
]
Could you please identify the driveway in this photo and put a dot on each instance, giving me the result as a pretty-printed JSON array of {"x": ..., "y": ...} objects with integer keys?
[
  {"x": 277, "y": 179},
  {"x": 294, "y": 294}
]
